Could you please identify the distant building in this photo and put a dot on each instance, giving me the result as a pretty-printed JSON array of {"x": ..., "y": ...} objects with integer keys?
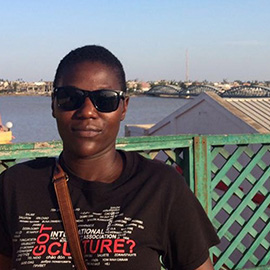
[
  {"x": 138, "y": 86},
  {"x": 145, "y": 86},
  {"x": 35, "y": 87}
]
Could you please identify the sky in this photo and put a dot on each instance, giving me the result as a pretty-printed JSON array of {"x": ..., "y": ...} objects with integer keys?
[{"x": 222, "y": 39}]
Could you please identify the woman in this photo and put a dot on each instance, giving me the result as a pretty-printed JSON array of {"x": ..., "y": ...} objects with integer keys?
[{"x": 132, "y": 213}]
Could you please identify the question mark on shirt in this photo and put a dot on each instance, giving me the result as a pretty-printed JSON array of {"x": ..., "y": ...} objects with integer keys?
[{"x": 132, "y": 245}]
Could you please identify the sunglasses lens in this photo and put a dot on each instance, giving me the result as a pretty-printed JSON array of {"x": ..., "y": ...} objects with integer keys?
[
  {"x": 69, "y": 99},
  {"x": 105, "y": 100}
]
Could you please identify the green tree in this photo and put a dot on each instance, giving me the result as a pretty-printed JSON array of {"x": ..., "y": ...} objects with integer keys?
[
  {"x": 139, "y": 86},
  {"x": 267, "y": 83},
  {"x": 255, "y": 82},
  {"x": 162, "y": 82},
  {"x": 205, "y": 82},
  {"x": 15, "y": 86},
  {"x": 183, "y": 85},
  {"x": 238, "y": 81},
  {"x": 152, "y": 83}
]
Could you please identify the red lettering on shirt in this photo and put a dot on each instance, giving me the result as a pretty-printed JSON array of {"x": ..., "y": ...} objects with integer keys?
[
  {"x": 51, "y": 246},
  {"x": 106, "y": 244},
  {"x": 119, "y": 246}
]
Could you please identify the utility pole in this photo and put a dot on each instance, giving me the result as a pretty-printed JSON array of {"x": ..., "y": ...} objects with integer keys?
[{"x": 187, "y": 67}]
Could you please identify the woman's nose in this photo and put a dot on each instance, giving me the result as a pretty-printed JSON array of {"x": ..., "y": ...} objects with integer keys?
[{"x": 87, "y": 110}]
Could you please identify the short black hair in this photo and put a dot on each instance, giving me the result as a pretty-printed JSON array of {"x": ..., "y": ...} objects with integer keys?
[{"x": 91, "y": 53}]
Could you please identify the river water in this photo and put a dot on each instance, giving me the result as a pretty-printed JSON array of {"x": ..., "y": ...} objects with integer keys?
[{"x": 33, "y": 122}]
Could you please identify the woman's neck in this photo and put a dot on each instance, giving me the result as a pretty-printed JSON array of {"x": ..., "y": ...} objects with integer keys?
[{"x": 105, "y": 168}]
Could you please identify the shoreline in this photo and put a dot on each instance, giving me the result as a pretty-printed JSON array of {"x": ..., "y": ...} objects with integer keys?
[
  {"x": 25, "y": 94},
  {"x": 48, "y": 94}
]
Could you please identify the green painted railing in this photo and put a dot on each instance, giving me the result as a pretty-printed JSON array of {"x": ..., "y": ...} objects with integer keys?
[{"x": 229, "y": 174}]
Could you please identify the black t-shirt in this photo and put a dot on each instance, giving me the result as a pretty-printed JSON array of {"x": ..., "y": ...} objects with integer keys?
[{"x": 146, "y": 216}]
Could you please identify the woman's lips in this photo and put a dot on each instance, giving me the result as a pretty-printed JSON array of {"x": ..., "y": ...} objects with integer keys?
[{"x": 86, "y": 132}]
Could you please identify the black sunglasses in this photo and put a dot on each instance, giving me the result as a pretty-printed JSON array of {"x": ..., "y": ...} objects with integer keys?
[{"x": 70, "y": 98}]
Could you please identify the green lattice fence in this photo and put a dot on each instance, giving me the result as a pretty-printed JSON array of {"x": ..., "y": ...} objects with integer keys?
[{"x": 236, "y": 172}]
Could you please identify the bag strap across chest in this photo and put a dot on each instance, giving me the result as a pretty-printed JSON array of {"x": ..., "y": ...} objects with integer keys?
[{"x": 68, "y": 217}]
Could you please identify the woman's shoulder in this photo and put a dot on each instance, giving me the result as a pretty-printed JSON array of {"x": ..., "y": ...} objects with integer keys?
[
  {"x": 156, "y": 163},
  {"x": 154, "y": 167},
  {"x": 31, "y": 167}
]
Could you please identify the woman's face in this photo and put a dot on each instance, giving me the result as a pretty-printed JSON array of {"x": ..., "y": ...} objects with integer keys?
[{"x": 87, "y": 132}]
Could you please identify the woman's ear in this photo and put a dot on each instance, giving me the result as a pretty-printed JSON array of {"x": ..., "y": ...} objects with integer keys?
[
  {"x": 52, "y": 107},
  {"x": 125, "y": 107}
]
